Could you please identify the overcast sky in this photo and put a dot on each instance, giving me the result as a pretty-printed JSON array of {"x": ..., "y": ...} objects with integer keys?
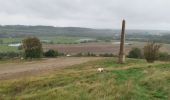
[{"x": 139, "y": 14}]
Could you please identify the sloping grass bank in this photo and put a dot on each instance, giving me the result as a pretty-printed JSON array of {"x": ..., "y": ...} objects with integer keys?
[{"x": 135, "y": 80}]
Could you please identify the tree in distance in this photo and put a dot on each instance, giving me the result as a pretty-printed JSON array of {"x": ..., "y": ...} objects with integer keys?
[{"x": 32, "y": 48}]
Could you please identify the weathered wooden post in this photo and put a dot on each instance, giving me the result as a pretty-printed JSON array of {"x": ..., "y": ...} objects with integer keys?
[{"x": 121, "y": 59}]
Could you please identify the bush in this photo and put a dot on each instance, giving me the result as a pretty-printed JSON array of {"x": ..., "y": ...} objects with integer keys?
[
  {"x": 135, "y": 53},
  {"x": 164, "y": 56},
  {"x": 90, "y": 54},
  {"x": 107, "y": 55},
  {"x": 85, "y": 55},
  {"x": 51, "y": 53},
  {"x": 32, "y": 47},
  {"x": 9, "y": 55},
  {"x": 151, "y": 51}
]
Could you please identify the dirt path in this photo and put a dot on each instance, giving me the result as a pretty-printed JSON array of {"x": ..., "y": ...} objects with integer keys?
[{"x": 16, "y": 70}]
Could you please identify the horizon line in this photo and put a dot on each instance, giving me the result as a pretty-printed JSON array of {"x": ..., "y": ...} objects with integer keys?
[{"x": 84, "y": 27}]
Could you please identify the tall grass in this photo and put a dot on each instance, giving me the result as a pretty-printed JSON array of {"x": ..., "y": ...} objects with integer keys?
[{"x": 140, "y": 81}]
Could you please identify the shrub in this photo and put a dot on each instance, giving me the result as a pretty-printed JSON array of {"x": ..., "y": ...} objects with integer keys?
[
  {"x": 135, "y": 53},
  {"x": 32, "y": 47},
  {"x": 107, "y": 55},
  {"x": 151, "y": 51},
  {"x": 9, "y": 55},
  {"x": 90, "y": 54},
  {"x": 51, "y": 53},
  {"x": 164, "y": 56}
]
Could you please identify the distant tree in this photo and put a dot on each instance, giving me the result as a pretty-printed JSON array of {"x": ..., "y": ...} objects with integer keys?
[
  {"x": 135, "y": 53},
  {"x": 151, "y": 51},
  {"x": 32, "y": 47},
  {"x": 51, "y": 53}
]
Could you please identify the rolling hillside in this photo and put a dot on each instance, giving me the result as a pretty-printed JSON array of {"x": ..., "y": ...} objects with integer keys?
[{"x": 135, "y": 80}]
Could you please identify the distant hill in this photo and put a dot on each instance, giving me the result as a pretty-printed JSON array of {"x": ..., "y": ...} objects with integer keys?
[
  {"x": 22, "y": 31},
  {"x": 19, "y": 31}
]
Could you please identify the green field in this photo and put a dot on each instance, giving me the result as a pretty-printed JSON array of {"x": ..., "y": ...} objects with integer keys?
[
  {"x": 135, "y": 80},
  {"x": 6, "y": 48},
  {"x": 11, "y": 40},
  {"x": 55, "y": 40}
]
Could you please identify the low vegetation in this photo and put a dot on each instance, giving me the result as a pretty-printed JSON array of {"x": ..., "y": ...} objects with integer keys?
[
  {"x": 9, "y": 55},
  {"x": 134, "y": 80},
  {"x": 51, "y": 53},
  {"x": 151, "y": 51},
  {"x": 135, "y": 53},
  {"x": 164, "y": 56}
]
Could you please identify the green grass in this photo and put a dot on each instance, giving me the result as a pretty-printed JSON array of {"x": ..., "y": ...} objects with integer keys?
[
  {"x": 11, "y": 40},
  {"x": 135, "y": 80},
  {"x": 58, "y": 39},
  {"x": 6, "y": 48}
]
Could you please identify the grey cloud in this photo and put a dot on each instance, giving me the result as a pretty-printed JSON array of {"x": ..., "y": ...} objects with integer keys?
[{"x": 140, "y": 14}]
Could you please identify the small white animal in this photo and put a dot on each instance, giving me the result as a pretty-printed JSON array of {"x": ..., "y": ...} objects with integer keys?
[
  {"x": 100, "y": 69},
  {"x": 68, "y": 55}
]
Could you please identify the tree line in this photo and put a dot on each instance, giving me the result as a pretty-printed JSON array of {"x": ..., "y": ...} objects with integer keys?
[{"x": 150, "y": 52}]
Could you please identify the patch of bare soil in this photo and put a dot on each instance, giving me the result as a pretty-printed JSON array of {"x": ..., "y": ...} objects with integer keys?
[
  {"x": 22, "y": 69},
  {"x": 95, "y": 48}
]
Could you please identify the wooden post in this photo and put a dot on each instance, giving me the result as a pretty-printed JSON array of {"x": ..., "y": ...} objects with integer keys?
[{"x": 122, "y": 43}]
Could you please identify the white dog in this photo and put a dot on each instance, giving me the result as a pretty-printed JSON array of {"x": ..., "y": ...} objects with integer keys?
[{"x": 100, "y": 69}]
